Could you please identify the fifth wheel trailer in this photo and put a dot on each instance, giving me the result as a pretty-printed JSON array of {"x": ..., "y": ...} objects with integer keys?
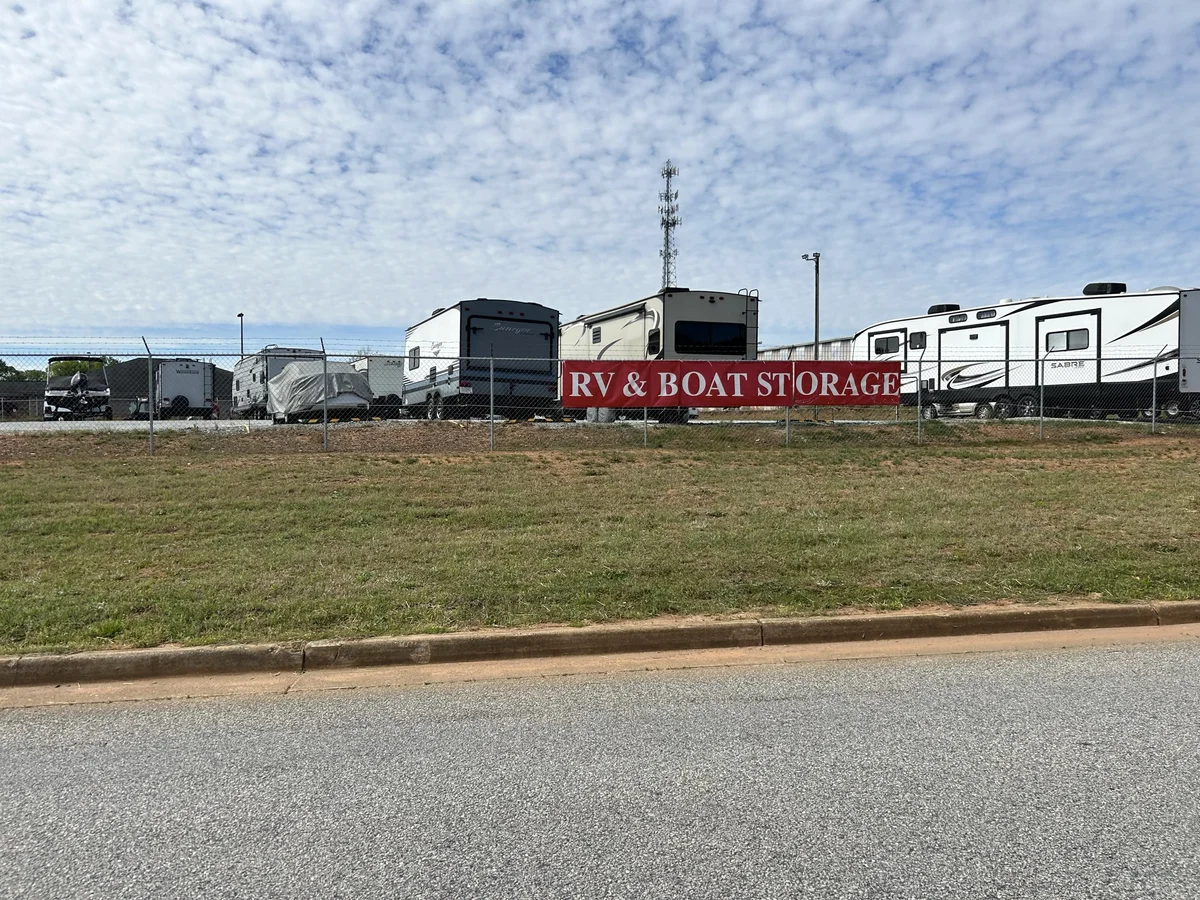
[
  {"x": 482, "y": 355},
  {"x": 675, "y": 323},
  {"x": 1105, "y": 350}
]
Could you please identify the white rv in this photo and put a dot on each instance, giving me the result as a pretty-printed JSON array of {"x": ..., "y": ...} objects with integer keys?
[
  {"x": 183, "y": 387},
  {"x": 455, "y": 354},
  {"x": 385, "y": 374},
  {"x": 76, "y": 388},
  {"x": 252, "y": 374},
  {"x": 1088, "y": 355},
  {"x": 675, "y": 323}
]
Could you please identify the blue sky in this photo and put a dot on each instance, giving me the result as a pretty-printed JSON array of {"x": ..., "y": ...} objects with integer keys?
[{"x": 340, "y": 169}]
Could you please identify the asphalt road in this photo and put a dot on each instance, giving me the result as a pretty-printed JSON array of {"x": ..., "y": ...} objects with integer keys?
[{"x": 1050, "y": 775}]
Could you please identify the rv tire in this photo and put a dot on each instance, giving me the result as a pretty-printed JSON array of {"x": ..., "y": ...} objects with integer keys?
[
  {"x": 929, "y": 411},
  {"x": 1027, "y": 407},
  {"x": 435, "y": 409},
  {"x": 984, "y": 411},
  {"x": 1173, "y": 409},
  {"x": 1005, "y": 408}
]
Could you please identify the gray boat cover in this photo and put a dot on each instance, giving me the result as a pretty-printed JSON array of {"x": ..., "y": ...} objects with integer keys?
[{"x": 300, "y": 388}]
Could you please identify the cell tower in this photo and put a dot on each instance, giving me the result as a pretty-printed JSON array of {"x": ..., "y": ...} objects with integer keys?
[{"x": 669, "y": 210}]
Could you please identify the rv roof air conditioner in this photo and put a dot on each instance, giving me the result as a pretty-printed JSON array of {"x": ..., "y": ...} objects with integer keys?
[
  {"x": 1096, "y": 288},
  {"x": 943, "y": 308}
]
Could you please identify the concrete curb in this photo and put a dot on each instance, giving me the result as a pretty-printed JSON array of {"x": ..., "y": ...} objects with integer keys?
[
  {"x": 157, "y": 662},
  {"x": 631, "y": 637}
]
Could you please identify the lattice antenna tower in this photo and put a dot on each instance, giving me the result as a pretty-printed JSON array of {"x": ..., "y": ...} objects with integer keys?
[{"x": 669, "y": 210}]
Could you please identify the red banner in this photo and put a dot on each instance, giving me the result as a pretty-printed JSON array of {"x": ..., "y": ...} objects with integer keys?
[{"x": 679, "y": 382}]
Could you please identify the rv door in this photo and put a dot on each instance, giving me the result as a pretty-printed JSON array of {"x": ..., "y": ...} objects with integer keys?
[{"x": 1068, "y": 348}]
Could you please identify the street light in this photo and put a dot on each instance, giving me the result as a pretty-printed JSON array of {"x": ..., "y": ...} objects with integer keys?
[
  {"x": 242, "y": 334},
  {"x": 815, "y": 259}
]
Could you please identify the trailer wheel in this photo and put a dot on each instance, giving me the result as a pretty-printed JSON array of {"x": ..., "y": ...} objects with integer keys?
[
  {"x": 1027, "y": 407},
  {"x": 1173, "y": 409},
  {"x": 435, "y": 409},
  {"x": 929, "y": 412},
  {"x": 1005, "y": 408},
  {"x": 1096, "y": 414},
  {"x": 108, "y": 413},
  {"x": 984, "y": 411}
]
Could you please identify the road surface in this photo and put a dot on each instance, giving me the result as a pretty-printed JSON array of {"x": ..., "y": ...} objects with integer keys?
[{"x": 1063, "y": 774}]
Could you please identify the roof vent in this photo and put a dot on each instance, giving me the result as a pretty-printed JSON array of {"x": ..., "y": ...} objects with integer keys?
[
  {"x": 438, "y": 310},
  {"x": 1097, "y": 288},
  {"x": 943, "y": 308}
]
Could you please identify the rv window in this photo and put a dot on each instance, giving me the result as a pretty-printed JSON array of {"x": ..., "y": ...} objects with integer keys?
[
  {"x": 916, "y": 340},
  {"x": 237, "y": 385},
  {"x": 1077, "y": 339},
  {"x": 986, "y": 314},
  {"x": 653, "y": 343},
  {"x": 414, "y": 358},
  {"x": 596, "y": 335},
  {"x": 886, "y": 345},
  {"x": 711, "y": 338},
  {"x": 961, "y": 317}
]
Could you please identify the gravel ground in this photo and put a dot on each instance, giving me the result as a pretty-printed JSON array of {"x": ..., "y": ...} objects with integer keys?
[{"x": 1067, "y": 774}]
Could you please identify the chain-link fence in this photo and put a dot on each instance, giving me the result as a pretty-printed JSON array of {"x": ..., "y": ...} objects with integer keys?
[{"x": 412, "y": 401}]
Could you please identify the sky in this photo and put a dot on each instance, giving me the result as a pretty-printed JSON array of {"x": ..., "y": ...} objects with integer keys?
[{"x": 340, "y": 169}]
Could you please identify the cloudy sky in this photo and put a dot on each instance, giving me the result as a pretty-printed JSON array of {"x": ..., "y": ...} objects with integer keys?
[{"x": 341, "y": 169}]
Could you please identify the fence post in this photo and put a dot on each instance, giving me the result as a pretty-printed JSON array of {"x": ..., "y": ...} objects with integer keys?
[
  {"x": 920, "y": 411},
  {"x": 324, "y": 397},
  {"x": 787, "y": 414},
  {"x": 1154, "y": 398},
  {"x": 1042, "y": 401},
  {"x": 645, "y": 426},
  {"x": 491, "y": 403},
  {"x": 149, "y": 391}
]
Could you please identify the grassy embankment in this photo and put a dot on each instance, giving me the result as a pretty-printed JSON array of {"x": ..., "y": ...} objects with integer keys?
[{"x": 106, "y": 547}]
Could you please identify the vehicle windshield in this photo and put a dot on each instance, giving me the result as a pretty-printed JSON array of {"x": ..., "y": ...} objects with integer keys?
[{"x": 76, "y": 374}]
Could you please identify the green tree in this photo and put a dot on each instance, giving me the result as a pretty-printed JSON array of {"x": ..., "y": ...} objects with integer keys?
[{"x": 11, "y": 373}]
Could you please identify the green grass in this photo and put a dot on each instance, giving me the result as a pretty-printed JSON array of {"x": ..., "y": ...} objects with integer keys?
[{"x": 198, "y": 546}]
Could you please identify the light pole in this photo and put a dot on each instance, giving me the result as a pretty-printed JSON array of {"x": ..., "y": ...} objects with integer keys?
[
  {"x": 815, "y": 259},
  {"x": 242, "y": 335}
]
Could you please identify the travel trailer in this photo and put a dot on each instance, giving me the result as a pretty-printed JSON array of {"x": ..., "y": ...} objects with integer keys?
[
  {"x": 1104, "y": 351},
  {"x": 385, "y": 375},
  {"x": 182, "y": 388},
  {"x": 455, "y": 354},
  {"x": 252, "y": 375},
  {"x": 675, "y": 323}
]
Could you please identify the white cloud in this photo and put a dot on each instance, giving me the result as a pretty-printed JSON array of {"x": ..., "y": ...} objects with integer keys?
[{"x": 170, "y": 165}]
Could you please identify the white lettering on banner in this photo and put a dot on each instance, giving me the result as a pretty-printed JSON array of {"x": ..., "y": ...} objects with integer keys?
[
  {"x": 668, "y": 384},
  {"x": 801, "y": 387},
  {"x": 891, "y": 382},
  {"x": 829, "y": 383},
  {"x": 579, "y": 384},
  {"x": 873, "y": 387},
  {"x": 716, "y": 389},
  {"x": 634, "y": 387},
  {"x": 738, "y": 378},
  {"x": 764, "y": 384},
  {"x": 851, "y": 387},
  {"x": 599, "y": 376},
  {"x": 699, "y": 389}
]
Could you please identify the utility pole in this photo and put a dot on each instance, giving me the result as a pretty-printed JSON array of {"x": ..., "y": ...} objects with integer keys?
[
  {"x": 815, "y": 259},
  {"x": 669, "y": 212}
]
